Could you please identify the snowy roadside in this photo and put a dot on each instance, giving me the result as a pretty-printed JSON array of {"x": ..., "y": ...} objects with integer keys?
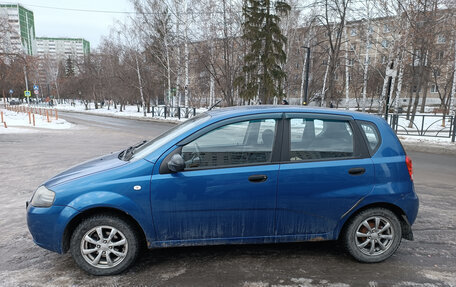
[
  {"x": 19, "y": 122},
  {"x": 130, "y": 112},
  {"x": 428, "y": 144}
]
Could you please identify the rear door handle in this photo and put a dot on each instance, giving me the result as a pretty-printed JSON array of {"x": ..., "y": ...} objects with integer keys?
[
  {"x": 357, "y": 170},
  {"x": 258, "y": 178}
]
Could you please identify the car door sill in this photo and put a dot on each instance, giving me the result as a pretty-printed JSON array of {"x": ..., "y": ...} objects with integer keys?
[{"x": 243, "y": 240}]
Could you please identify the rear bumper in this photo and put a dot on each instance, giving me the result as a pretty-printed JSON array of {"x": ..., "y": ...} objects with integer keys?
[{"x": 48, "y": 224}]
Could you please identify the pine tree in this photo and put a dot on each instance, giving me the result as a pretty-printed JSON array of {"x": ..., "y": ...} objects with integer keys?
[
  {"x": 69, "y": 68},
  {"x": 262, "y": 72}
]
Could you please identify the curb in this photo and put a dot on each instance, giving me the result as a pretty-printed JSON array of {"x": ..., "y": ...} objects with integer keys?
[
  {"x": 144, "y": 119},
  {"x": 430, "y": 148}
]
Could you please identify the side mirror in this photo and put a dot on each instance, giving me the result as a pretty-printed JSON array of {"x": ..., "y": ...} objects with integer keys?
[{"x": 176, "y": 163}]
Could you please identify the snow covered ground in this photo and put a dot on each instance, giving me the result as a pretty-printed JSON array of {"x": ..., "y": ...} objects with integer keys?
[
  {"x": 130, "y": 111},
  {"x": 426, "y": 140},
  {"x": 18, "y": 122}
]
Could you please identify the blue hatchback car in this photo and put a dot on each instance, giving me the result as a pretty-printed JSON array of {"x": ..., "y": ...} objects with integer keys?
[{"x": 262, "y": 174}]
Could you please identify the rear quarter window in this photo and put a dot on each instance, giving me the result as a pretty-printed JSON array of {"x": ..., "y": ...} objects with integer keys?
[{"x": 371, "y": 134}]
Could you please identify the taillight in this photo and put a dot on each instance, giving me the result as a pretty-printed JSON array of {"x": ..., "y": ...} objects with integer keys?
[{"x": 408, "y": 161}]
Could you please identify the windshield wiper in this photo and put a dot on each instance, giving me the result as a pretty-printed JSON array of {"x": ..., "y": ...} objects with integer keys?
[{"x": 129, "y": 152}]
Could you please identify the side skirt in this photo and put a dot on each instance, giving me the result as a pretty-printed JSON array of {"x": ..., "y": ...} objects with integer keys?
[{"x": 242, "y": 240}]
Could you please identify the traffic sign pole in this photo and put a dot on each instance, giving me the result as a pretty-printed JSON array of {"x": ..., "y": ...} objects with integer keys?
[
  {"x": 27, "y": 94},
  {"x": 36, "y": 91}
]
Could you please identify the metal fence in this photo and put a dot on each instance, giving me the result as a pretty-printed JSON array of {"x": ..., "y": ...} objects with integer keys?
[
  {"x": 172, "y": 112},
  {"x": 442, "y": 126}
]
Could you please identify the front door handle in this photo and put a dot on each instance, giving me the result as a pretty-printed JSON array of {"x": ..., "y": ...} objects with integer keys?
[
  {"x": 258, "y": 178},
  {"x": 357, "y": 170}
]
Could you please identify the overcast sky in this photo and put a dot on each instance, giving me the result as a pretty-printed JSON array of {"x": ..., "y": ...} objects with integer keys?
[{"x": 75, "y": 24}]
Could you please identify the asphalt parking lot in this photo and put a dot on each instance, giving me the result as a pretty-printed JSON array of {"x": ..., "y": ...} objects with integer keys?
[{"x": 29, "y": 159}]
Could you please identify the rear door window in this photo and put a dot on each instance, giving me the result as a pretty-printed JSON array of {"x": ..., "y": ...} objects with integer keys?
[{"x": 320, "y": 139}]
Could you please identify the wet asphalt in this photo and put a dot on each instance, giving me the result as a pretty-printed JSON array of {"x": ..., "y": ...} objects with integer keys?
[{"x": 26, "y": 160}]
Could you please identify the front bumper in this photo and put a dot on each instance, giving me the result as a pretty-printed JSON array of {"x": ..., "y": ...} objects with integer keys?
[{"x": 47, "y": 225}]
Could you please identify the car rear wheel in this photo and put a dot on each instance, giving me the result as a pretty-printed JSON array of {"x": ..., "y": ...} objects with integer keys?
[
  {"x": 372, "y": 235},
  {"x": 104, "y": 245}
]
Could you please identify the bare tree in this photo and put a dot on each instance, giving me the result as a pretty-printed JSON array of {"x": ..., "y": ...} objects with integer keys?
[{"x": 333, "y": 20}]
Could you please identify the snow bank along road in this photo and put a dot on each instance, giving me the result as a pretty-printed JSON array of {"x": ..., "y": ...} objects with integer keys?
[{"x": 29, "y": 159}]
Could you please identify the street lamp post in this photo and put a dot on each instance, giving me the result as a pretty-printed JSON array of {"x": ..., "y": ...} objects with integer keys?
[
  {"x": 306, "y": 84},
  {"x": 26, "y": 82},
  {"x": 390, "y": 73}
]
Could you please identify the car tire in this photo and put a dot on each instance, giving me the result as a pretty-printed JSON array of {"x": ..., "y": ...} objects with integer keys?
[
  {"x": 372, "y": 235},
  {"x": 105, "y": 245}
]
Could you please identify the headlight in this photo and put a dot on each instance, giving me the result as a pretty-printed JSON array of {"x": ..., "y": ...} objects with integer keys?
[{"x": 43, "y": 197}]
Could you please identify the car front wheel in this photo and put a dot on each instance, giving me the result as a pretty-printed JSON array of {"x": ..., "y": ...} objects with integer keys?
[
  {"x": 372, "y": 235},
  {"x": 104, "y": 245}
]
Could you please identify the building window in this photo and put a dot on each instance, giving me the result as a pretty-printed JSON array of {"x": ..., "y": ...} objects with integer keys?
[
  {"x": 353, "y": 32},
  {"x": 386, "y": 28},
  {"x": 434, "y": 89},
  {"x": 351, "y": 62},
  {"x": 440, "y": 55},
  {"x": 419, "y": 58},
  {"x": 336, "y": 77},
  {"x": 441, "y": 39}
]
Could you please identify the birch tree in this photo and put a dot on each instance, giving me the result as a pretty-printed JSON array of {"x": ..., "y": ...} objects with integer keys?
[{"x": 333, "y": 20}]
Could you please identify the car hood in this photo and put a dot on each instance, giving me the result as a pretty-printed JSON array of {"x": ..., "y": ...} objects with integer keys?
[{"x": 89, "y": 167}]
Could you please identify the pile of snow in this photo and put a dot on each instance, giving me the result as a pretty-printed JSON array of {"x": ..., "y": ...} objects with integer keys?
[
  {"x": 426, "y": 140},
  {"x": 18, "y": 122}
]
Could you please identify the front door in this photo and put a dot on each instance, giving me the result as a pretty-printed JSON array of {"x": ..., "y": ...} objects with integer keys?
[{"x": 228, "y": 188}]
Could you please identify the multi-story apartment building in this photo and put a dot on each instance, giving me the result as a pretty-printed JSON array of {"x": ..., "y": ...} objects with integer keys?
[
  {"x": 62, "y": 48},
  {"x": 425, "y": 50},
  {"x": 17, "y": 37},
  {"x": 58, "y": 52},
  {"x": 17, "y": 30}
]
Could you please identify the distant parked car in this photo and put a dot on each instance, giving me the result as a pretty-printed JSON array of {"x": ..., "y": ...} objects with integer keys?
[
  {"x": 15, "y": 102},
  {"x": 260, "y": 174}
]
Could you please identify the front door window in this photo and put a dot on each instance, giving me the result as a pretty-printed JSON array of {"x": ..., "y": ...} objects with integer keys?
[{"x": 236, "y": 144}]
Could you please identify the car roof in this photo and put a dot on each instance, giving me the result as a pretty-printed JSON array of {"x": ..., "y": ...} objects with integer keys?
[{"x": 261, "y": 109}]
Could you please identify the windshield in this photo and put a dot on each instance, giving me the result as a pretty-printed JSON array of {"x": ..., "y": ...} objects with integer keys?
[{"x": 152, "y": 145}]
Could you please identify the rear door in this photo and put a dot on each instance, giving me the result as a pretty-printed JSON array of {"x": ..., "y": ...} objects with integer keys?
[{"x": 325, "y": 171}]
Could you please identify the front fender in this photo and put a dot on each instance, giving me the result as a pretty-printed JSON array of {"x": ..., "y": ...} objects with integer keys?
[{"x": 138, "y": 210}]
